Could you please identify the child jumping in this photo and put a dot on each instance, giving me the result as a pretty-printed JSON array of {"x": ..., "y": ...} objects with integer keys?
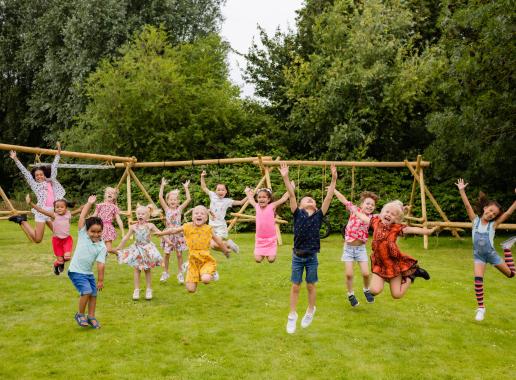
[
  {"x": 219, "y": 205},
  {"x": 173, "y": 242},
  {"x": 90, "y": 249},
  {"x": 266, "y": 240},
  {"x": 201, "y": 264},
  {"x": 47, "y": 189},
  {"x": 143, "y": 254},
  {"x": 307, "y": 242},
  {"x": 62, "y": 242},
  {"x": 107, "y": 211},
  {"x": 483, "y": 233},
  {"x": 356, "y": 234},
  {"x": 388, "y": 264}
]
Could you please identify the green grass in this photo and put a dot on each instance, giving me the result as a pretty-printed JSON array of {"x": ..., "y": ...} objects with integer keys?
[{"x": 235, "y": 328}]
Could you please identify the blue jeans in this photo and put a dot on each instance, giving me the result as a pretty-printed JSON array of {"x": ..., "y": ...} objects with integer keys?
[
  {"x": 84, "y": 283},
  {"x": 298, "y": 266}
]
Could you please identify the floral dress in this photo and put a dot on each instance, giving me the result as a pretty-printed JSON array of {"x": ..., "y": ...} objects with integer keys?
[
  {"x": 143, "y": 254},
  {"x": 178, "y": 243},
  {"x": 107, "y": 212},
  {"x": 387, "y": 261}
]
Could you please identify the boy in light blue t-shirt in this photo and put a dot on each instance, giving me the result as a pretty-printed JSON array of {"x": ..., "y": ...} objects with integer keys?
[{"x": 90, "y": 249}]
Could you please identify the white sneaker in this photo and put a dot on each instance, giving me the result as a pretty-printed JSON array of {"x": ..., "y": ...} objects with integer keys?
[
  {"x": 233, "y": 246},
  {"x": 136, "y": 294},
  {"x": 291, "y": 323},
  {"x": 180, "y": 278},
  {"x": 148, "y": 294},
  {"x": 307, "y": 319},
  {"x": 480, "y": 314},
  {"x": 164, "y": 277},
  {"x": 216, "y": 276},
  {"x": 507, "y": 244}
]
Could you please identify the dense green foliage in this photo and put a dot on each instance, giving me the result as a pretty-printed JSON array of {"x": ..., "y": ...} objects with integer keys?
[{"x": 235, "y": 328}]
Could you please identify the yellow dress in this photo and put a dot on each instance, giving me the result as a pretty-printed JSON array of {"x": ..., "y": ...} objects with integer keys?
[{"x": 200, "y": 261}]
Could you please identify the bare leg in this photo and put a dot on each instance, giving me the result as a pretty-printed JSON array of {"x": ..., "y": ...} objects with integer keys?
[
  {"x": 399, "y": 288},
  {"x": 364, "y": 268},
  {"x": 179, "y": 255},
  {"x": 109, "y": 244},
  {"x": 294, "y": 296},
  {"x": 166, "y": 262},
  {"x": 83, "y": 301},
  {"x": 206, "y": 278},
  {"x": 259, "y": 259},
  {"x": 504, "y": 268},
  {"x": 376, "y": 285},
  {"x": 92, "y": 305},
  {"x": 216, "y": 247},
  {"x": 348, "y": 271},
  {"x": 34, "y": 234},
  {"x": 191, "y": 287},
  {"x": 311, "y": 297},
  {"x": 271, "y": 259},
  {"x": 136, "y": 278},
  {"x": 148, "y": 279},
  {"x": 50, "y": 225}
]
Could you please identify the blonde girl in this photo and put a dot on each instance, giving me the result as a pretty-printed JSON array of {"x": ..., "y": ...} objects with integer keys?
[
  {"x": 107, "y": 211},
  {"x": 173, "y": 242}
]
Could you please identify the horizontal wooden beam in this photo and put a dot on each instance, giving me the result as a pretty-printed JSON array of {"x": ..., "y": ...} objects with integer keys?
[
  {"x": 212, "y": 161},
  {"x": 367, "y": 164}
]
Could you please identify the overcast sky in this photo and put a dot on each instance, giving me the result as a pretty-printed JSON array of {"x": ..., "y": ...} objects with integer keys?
[{"x": 240, "y": 26}]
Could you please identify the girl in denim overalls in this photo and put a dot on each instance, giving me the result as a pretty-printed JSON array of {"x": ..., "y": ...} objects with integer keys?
[{"x": 483, "y": 231}]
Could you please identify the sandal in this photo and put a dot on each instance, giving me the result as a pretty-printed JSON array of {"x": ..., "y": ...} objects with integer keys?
[
  {"x": 92, "y": 321},
  {"x": 81, "y": 320}
]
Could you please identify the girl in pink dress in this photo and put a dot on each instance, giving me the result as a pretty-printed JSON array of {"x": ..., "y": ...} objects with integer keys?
[
  {"x": 173, "y": 242},
  {"x": 266, "y": 240},
  {"x": 107, "y": 211}
]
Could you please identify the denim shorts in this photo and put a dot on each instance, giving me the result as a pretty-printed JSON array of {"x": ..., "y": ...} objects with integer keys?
[
  {"x": 299, "y": 264},
  {"x": 487, "y": 257},
  {"x": 84, "y": 283},
  {"x": 354, "y": 253}
]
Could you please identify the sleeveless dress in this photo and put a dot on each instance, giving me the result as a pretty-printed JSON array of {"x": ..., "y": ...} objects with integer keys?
[
  {"x": 173, "y": 219},
  {"x": 143, "y": 254},
  {"x": 387, "y": 261},
  {"x": 107, "y": 212},
  {"x": 266, "y": 241}
]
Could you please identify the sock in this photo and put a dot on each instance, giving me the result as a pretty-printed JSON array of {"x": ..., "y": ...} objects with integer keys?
[
  {"x": 509, "y": 260},
  {"x": 479, "y": 291},
  {"x": 365, "y": 289},
  {"x": 351, "y": 294}
]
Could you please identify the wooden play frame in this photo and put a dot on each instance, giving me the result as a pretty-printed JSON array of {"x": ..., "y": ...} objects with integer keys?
[{"x": 265, "y": 164}]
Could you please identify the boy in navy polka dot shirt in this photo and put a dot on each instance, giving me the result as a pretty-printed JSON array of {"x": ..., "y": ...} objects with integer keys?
[{"x": 307, "y": 243}]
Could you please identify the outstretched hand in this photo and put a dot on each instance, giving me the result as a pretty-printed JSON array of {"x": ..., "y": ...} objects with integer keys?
[
  {"x": 27, "y": 199},
  {"x": 164, "y": 182},
  {"x": 92, "y": 199},
  {"x": 186, "y": 184},
  {"x": 12, "y": 154},
  {"x": 203, "y": 173},
  {"x": 460, "y": 184},
  {"x": 58, "y": 144},
  {"x": 283, "y": 169}
]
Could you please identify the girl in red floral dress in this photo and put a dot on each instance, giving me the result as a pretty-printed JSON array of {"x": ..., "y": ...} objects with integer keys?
[{"x": 388, "y": 264}]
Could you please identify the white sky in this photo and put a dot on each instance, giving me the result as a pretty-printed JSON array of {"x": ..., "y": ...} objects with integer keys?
[{"x": 240, "y": 26}]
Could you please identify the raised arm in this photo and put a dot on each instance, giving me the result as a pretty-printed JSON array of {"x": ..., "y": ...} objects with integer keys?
[
  {"x": 28, "y": 177},
  {"x": 77, "y": 210},
  {"x": 506, "y": 214},
  {"x": 203, "y": 183},
  {"x": 250, "y": 196},
  {"x": 85, "y": 210},
  {"x": 39, "y": 209},
  {"x": 280, "y": 201},
  {"x": 188, "y": 199},
  {"x": 239, "y": 203},
  {"x": 162, "y": 201},
  {"x": 419, "y": 230},
  {"x": 329, "y": 195},
  {"x": 283, "y": 169},
  {"x": 462, "y": 186},
  {"x": 341, "y": 197},
  {"x": 53, "y": 167}
]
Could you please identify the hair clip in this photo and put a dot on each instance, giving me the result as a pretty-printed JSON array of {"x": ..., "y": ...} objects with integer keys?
[{"x": 266, "y": 189}]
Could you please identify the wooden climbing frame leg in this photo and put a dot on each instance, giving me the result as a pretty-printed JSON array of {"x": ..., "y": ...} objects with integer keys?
[{"x": 423, "y": 206}]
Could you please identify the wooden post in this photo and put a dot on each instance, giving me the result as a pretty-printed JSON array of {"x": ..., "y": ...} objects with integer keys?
[
  {"x": 413, "y": 192},
  {"x": 139, "y": 184},
  {"x": 129, "y": 201},
  {"x": 122, "y": 179},
  {"x": 423, "y": 207},
  {"x": 6, "y": 200},
  {"x": 352, "y": 184}
]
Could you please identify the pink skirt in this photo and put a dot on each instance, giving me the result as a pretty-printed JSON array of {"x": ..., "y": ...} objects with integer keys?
[
  {"x": 265, "y": 246},
  {"x": 108, "y": 232}
]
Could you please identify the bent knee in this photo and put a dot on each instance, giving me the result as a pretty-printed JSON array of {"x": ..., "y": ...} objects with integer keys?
[{"x": 206, "y": 278}]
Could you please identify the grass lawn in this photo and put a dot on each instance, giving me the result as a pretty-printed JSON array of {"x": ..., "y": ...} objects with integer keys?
[{"x": 235, "y": 328}]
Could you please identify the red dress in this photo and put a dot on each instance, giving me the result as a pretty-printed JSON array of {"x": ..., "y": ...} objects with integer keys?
[{"x": 387, "y": 261}]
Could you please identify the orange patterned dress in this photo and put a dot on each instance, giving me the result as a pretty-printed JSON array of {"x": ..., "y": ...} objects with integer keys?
[{"x": 387, "y": 261}]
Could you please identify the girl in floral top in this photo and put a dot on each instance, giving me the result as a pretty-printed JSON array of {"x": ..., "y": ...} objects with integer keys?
[
  {"x": 356, "y": 234},
  {"x": 107, "y": 211},
  {"x": 47, "y": 190}
]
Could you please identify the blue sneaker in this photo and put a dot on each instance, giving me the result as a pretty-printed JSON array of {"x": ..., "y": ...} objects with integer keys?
[
  {"x": 353, "y": 300},
  {"x": 369, "y": 296}
]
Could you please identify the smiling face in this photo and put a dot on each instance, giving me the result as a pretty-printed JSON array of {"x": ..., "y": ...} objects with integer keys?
[
  {"x": 368, "y": 205},
  {"x": 142, "y": 214},
  {"x": 60, "y": 207},
  {"x": 95, "y": 232},
  {"x": 221, "y": 190},
  {"x": 199, "y": 215},
  {"x": 172, "y": 199},
  {"x": 490, "y": 212},
  {"x": 308, "y": 204},
  {"x": 263, "y": 198},
  {"x": 390, "y": 214},
  {"x": 39, "y": 176}
]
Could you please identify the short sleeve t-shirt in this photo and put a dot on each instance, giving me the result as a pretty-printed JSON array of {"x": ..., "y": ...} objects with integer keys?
[
  {"x": 61, "y": 225},
  {"x": 306, "y": 230},
  {"x": 219, "y": 207},
  {"x": 86, "y": 253}
]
